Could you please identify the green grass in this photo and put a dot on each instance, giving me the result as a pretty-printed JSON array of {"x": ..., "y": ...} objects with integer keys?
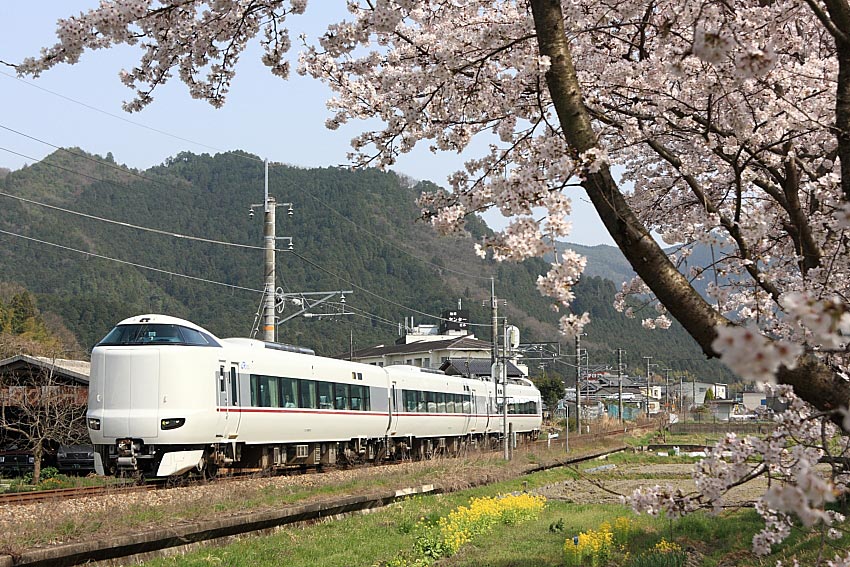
[{"x": 379, "y": 537}]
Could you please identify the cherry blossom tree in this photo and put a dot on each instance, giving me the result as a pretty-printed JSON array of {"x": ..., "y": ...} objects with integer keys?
[{"x": 729, "y": 120}]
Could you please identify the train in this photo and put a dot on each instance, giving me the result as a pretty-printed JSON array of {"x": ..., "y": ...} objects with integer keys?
[{"x": 169, "y": 398}]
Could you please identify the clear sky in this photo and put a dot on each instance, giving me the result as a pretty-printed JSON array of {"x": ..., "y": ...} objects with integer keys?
[{"x": 275, "y": 119}]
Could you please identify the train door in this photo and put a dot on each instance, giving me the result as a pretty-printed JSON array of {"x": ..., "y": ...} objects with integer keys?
[
  {"x": 469, "y": 410},
  {"x": 229, "y": 403},
  {"x": 394, "y": 408}
]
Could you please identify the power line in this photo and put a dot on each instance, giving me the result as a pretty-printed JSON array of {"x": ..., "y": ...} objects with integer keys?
[
  {"x": 389, "y": 243},
  {"x": 243, "y": 156},
  {"x": 116, "y": 116},
  {"x": 125, "y": 262},
  {"x": 199, "y": 239},
  {"x": 122, "y": 169},
  {"x": 375, "y": 295},
  {"x": 134, "y": 226},
  {"x": 207, "y": 240}
]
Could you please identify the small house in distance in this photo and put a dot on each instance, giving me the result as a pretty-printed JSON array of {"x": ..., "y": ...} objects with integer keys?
[
  {"x": 38, "y": 394},
  {"x": 21, "y": 371},
  {"x": 448, "y": 347}
]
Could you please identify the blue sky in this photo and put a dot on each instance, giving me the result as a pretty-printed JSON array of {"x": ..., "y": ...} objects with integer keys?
[{"x": 279, "y": 120}]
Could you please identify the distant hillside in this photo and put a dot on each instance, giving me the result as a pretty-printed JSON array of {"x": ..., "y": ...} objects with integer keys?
[
  {"x": 606, "y": 262},
  {"x": 351, "y": 230}
]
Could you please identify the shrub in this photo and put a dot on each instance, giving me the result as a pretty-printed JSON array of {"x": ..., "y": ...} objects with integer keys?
[
  {"x": 49, "y": 472},
  {"x": 591, "y": 548},
  {"x": 464, "y": 523},
  {"x": 445, "y": 536},
  {"x": 663, "y": 554}
]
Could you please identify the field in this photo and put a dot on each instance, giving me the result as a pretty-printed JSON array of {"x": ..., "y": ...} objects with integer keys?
[{"x": 578, "y": 501}]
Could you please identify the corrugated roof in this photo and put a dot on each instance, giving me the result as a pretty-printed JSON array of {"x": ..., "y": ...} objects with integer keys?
[
  {"x": 77, "y": 369},
  {"x": 477, "y": 366}
]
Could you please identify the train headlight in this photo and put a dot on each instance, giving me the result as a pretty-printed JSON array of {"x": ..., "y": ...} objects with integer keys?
[
  {"x": 94, "y": 424},
  {"x": 172, "y": 423}
]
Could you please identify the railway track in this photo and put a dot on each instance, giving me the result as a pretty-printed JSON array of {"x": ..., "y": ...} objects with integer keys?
[
  {"x": 136, "y": 547},
  {"x": 42, "y": 496}
]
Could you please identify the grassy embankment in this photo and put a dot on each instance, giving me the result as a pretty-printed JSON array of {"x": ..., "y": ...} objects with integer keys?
[{"x": 389, "y": 536}]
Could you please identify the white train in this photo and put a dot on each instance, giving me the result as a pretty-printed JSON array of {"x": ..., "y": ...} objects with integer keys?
[{"x": 167, "y": 397}]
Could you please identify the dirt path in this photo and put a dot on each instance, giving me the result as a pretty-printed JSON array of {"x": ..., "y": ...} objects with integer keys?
[{"x": 608, "y": 482}]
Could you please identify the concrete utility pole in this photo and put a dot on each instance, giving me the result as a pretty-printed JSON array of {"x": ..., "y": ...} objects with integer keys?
[
  {"x": 269, "y": 256},
  {"x": 648, "y": 384},
  {"x": 620, "y": 382},
  {"x": 269, "y": 239},
  {"x": 494, "y": 308},
  {"x": 505, "y": 430},
  {"x": 667, "y": 387},
  {"x": 578, "y": 382}
]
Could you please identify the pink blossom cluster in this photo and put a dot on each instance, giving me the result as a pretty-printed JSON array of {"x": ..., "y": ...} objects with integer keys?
[
  {"x": 788, "y": 456},
  {"x": 721, "y": 117},
  {"x": 200, "y": 41},
  {"x": 824, "y": 322},
  {"x": 751, "y": 355}
]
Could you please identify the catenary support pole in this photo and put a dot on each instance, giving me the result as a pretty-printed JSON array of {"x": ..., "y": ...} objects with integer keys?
[
  {"x": 578, "y": 383},
  {"x": 620, "y": 383},
  {"x": 269, "y": 255}
]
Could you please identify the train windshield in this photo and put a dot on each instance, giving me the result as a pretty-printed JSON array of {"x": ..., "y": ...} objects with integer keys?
[{"x": 156, "y": 334}]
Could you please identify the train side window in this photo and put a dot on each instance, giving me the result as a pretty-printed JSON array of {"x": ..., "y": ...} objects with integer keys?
[
  {"x": 340, "y": 396},
  {"x": 431, "y": 401},
  {"x": 367, "y": 398},
  {"x": 234, "y": 387},
  {"x": 441, "y": 402},
  {"x": 288, "y": 392},
  {"x": 421, "y": 404},
  {"x": 255, "y": 390},
  {"x": 326, "y": 395},
  {"x": 356, "y": 398},
  {"x": 308, "y": 394},
  {"x": 268, "y": 393},
  {"x": 409, "y": 401},
  {"x": 467, "y": 403},
  {"x": 221, "y": 385}
]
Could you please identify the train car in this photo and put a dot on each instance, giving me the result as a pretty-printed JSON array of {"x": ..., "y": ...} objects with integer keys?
[{"x": 167, "y": 397}]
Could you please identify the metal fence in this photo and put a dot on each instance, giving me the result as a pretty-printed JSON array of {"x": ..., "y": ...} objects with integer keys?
[{"x": 708, "y": 425}]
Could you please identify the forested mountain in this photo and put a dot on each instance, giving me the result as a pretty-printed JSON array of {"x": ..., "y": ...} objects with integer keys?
[
  {"x": 608, "y": 262},
  {"x": 351, "y": 230}
]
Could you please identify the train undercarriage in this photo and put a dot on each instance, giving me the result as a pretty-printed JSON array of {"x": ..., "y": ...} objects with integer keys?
[{"x": 132, "y": 457}]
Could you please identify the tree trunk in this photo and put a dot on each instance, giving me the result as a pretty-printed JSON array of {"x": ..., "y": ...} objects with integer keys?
[
  {"x": 37, "y": 452},
  {"x": 813, "y": 381}
]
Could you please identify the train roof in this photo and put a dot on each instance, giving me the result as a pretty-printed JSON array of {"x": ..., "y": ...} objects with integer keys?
[
  {"x": 155, "y": 319},
  {"x": 254, "y": 343}
]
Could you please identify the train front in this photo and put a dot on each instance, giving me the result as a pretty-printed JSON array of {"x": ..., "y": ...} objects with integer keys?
[{"x": 151, "y": 408}]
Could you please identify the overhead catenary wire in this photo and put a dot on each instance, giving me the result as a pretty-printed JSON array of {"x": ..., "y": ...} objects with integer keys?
[
  {"x": 205, "y": 240},
  {"x": 209, "y": 240},
  {"x": 376, "y": 295},
  {"x": 112, "y": 115},
  {"x": 359, "y": 227},
  {"x": 128, "y": 263},
  {"x": 133, "y": 226}
]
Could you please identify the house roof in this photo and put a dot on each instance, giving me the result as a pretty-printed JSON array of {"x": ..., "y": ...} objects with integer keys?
[
  {"x": 77, "y": 370},
  {"x": 454, "y": 343},
  {"x": 477, "y": 366}
]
